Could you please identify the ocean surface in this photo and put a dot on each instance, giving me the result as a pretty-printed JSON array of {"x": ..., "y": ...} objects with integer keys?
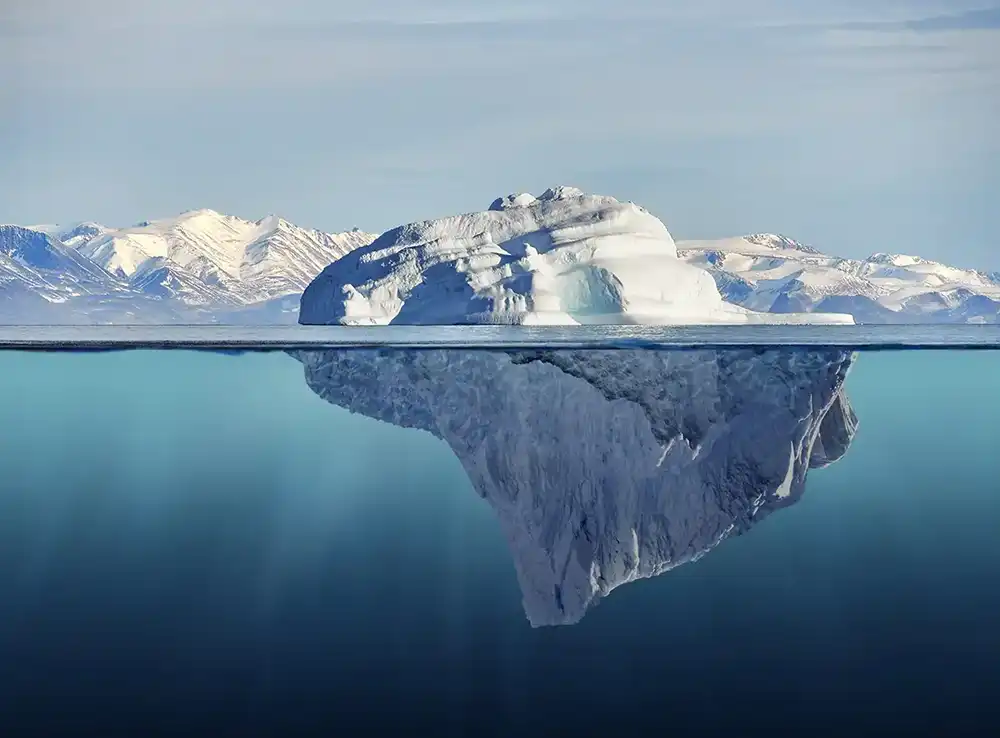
[
  {"x": 874, "y": 336},
  {"x": 546, "y": 539}
]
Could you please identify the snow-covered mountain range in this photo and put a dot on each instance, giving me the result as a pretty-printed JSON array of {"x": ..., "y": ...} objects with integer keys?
[
  {"x": 604, "y": 467},
  {"x": 564, "y": 257},
  {"x": 776, "y": 274},
  {"x": 200, "y": 266}
]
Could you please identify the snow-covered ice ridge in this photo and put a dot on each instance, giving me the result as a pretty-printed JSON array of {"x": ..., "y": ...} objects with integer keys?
[
  {"x": 776, "y": 274},
  {"x": 604, "y": 466},
  {"x": 563, "y": 258},
  {"x": 199, "y": 266}
]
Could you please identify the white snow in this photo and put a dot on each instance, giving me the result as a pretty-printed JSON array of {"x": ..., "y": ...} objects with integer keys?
[
  {"x": 767, "y": 272},
  {"x": 562, "y": 258},
  {"x": 203, "y": 257},
  {"x": 199, "y": 266},
  {"x": 269, "y": 250},
  {"x": 75, "y": 235},
  {"x": 40, "y": 263}
]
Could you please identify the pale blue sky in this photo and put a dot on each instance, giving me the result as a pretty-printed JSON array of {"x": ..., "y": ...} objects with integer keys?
[{"x": 854, "y": 125}]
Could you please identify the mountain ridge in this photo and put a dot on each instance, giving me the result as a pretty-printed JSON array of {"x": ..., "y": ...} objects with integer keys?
[
  {"x": 198, "y": 266},
  {"x": 202, "y": 265},
  {"x": 881, "y": 288}
]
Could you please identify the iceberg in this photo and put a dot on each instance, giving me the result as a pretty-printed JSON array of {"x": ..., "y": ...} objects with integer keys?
[
  {"x": 564, "y": 258},
  {"x": 608, "y": 466}
]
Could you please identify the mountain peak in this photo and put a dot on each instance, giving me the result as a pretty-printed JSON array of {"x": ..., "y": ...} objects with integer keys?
[
  {"x": 30, "y": 247},
  {"x": 72, "y": 235},
  {"x": 36, "y": 250},
  {"x": 83, "y": 225},
  {"x": 81, "y": 233},
  {"x": 202, "y": 212},
  {"x": 272, "y": 222},
  {"x": 248, "y": 261},
  {"x": 899, "y": 260},
  {"x": 778, "y": 241}
]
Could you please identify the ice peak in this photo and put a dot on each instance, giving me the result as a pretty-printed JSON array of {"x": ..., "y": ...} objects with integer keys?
[
  {"x": 526, "y": 199},
  {"x": 561, "y": 192},
  {"x": 518, "y": 200}
]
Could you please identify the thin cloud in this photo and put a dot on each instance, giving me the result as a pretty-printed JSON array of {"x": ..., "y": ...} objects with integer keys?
[{"x": 968, "y": 20}]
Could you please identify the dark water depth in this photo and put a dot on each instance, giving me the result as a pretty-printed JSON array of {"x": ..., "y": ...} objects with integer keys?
[{"x": 530, "y": 542}]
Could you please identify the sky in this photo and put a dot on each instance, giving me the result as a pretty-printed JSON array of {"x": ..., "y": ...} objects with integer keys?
[{"x": 852, "y": 125}]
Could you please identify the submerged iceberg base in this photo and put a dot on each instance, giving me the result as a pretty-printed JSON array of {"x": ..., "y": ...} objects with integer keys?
[{"x": 606, "y": 466}]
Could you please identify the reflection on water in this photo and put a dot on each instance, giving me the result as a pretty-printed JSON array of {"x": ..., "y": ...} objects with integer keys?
[{"x": 604, "y": 467}]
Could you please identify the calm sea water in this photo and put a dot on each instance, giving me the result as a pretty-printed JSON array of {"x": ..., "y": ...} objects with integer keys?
[
  {"x": 489, "y": 336},
  {"x": 267, "y": 544}
]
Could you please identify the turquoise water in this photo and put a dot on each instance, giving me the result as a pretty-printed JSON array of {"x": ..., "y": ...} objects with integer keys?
[{"x": 196, "y": 541}]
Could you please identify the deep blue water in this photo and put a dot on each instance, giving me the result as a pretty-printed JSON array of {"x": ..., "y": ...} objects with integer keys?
[{"x": 192, "y": 543}]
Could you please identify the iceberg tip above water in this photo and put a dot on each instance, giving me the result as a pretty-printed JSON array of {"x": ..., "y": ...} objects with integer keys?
[{"x": 562, "y": 258}]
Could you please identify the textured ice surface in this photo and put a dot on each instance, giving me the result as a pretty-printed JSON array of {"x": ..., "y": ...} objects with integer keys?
[
  {"x": 563, "y": 258},
  {"x": 608, "y": 466}
]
